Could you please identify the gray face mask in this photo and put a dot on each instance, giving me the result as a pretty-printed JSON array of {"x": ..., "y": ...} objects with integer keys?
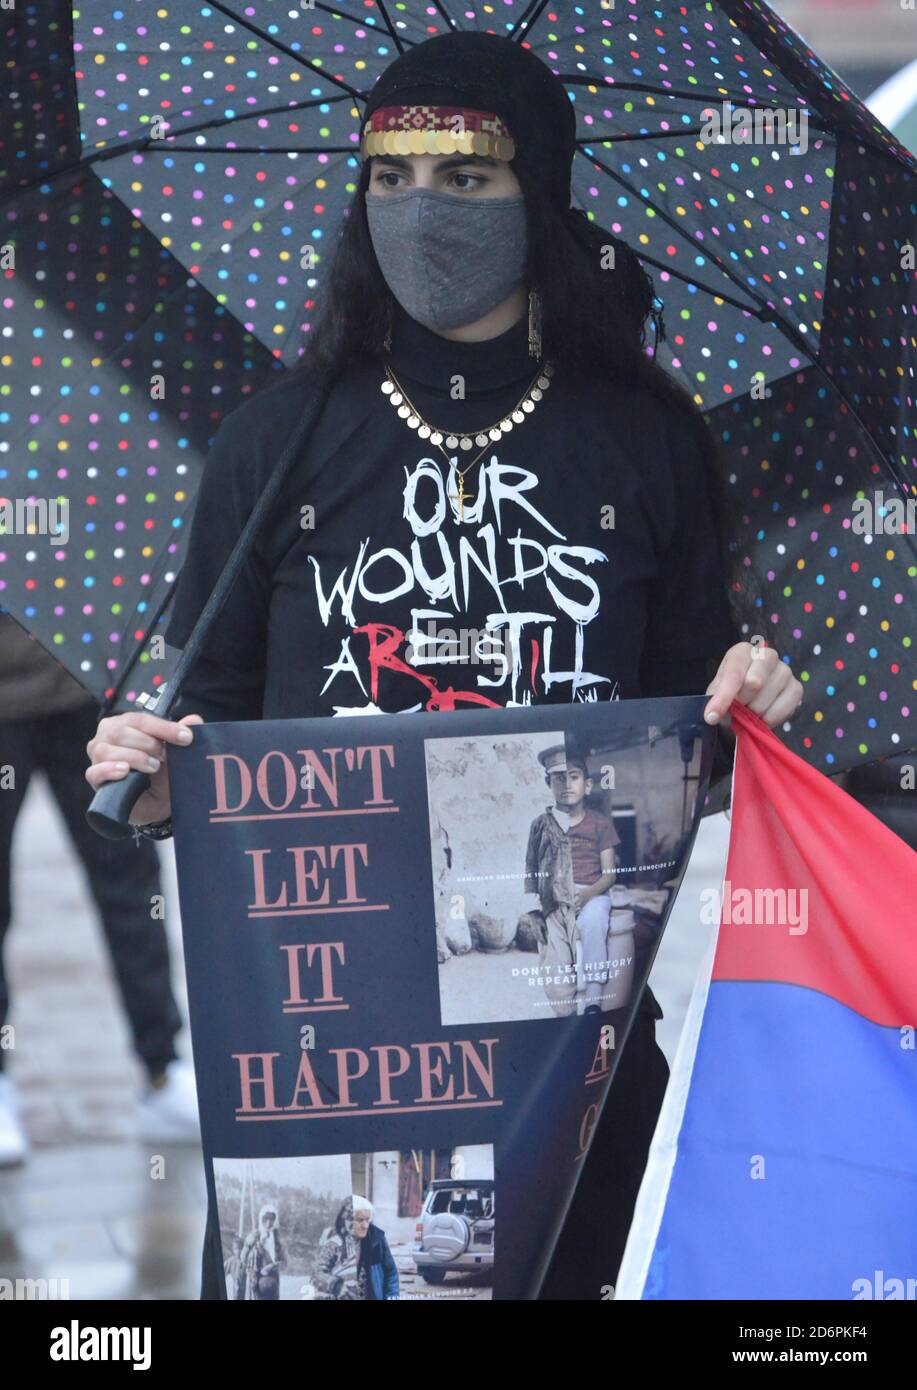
[{"x": 448, "y": 259}]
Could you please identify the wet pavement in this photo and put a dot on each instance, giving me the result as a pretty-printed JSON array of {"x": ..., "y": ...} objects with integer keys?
[{"x": 93, "y": 1208}]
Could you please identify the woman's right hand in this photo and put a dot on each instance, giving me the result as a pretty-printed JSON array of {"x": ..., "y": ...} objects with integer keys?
[{"x": 137, "y": 740}]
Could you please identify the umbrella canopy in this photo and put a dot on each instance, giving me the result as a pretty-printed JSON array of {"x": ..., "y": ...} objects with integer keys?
[{"x": 173, "y": 181}]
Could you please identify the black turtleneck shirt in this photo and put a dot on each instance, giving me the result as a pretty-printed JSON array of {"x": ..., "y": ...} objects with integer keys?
[{"x": 585, "y": 567}]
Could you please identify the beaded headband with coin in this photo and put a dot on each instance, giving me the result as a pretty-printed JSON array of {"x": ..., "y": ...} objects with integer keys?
[{"x": 406, "y": 130}]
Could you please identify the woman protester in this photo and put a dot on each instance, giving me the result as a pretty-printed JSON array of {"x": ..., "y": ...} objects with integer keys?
[{"x": 498, "y": 454}]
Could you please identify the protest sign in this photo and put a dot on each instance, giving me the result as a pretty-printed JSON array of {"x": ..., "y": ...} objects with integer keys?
[{"x": 414, "y": 947}]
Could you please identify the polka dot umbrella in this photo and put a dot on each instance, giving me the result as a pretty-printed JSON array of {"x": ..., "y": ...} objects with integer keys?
[{"x": 173, "y": 176}]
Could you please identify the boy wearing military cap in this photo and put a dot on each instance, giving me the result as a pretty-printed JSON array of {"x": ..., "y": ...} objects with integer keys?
[{"x": 570, "y": 865}]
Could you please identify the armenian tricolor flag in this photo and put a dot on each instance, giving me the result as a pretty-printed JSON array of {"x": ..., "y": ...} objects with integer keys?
[{"x": 785, "y": 1161}]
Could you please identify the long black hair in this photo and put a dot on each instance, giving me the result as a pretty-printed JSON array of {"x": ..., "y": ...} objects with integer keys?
[{"x": 593, "y": 321}]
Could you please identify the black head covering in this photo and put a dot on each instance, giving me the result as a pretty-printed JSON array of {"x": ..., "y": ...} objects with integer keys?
[{"x": 490, "y": 73}]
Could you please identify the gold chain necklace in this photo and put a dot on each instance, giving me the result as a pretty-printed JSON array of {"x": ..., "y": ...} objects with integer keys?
[{"x": 412, "y": 417}]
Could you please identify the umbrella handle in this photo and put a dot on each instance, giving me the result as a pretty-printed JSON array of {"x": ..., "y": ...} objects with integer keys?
[{"x": 110, "y": 808}]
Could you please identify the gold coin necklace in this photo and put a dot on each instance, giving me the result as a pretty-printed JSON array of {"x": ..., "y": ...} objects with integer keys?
[{"x": 456, "y": 439}]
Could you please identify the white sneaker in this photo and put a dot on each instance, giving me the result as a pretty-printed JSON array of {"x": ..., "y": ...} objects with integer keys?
[
  {"x": 14, "y": 1144},
  {"x": 169, "y": 1115}
]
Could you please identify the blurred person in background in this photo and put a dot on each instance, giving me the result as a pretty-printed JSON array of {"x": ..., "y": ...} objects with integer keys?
[{"x": 46, "y": 720}]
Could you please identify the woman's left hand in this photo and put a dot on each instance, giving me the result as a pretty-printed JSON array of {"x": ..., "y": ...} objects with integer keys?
[{"x": 755, "y": 676}]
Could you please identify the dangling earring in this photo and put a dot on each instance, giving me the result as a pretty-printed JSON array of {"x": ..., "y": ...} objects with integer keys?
[
  {"x": 387, "y": 340},
  {"x": 534, "y": 323}
]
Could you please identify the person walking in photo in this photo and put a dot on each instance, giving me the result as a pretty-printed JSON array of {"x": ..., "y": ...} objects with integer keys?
[
  {"x": 336, "y": 1274},
  {"x": 46, "y": 720},
  {"x": 233, "y": 1268},
  {"x": 355, "y": 1262},
  {"x": 261, "y": 1256},
  {"x": 377, "y": 1272}
]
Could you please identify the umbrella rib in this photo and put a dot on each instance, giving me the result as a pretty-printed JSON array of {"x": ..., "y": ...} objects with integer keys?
[
  {"x": 148, "y": 145},
  {"x": 396, "y": 38},
  {"x": 255, "y": 149},
  {"x": 767, "y": 309},
  {"x": 670, "y": 135},
  {"x": 284, "y": 48},
  {"x": 577, "y": 79},
  {"x": 337, "y": 13},
  {"x": 524, "y": 23},
  {"x": 218, "y": 121},
  {"x": 643, "y": 135},
  {"x": 766, "y": 314},
  {"x": 446, "y": 16},
  {"x": 752, "y": 310},
  {"x": 571, "y": 79},
  {"x": 609, "y": 139}
]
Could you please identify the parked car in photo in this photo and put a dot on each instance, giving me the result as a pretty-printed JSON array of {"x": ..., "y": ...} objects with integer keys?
[{"x": 455, "y": 1229}]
